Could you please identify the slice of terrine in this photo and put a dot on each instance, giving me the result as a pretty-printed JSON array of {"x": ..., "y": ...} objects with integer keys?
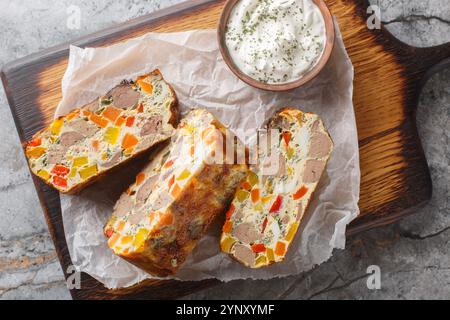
[
  {"x": 78, "y": 148},
  {"x": 157, "y": 222},
  {"x": 270, "y": 203}
]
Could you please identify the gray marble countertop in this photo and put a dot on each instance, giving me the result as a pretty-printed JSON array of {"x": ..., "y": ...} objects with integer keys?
[{"x": 412, "y": 254}]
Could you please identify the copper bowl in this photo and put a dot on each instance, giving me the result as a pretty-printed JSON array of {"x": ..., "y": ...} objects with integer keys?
[{"x": 313, "y": 72}]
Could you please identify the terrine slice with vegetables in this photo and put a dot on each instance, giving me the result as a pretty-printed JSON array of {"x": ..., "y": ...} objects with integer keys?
[
  {"x": 158, "y": 221},
  {"x": 269, "y": 205},
  {"x": 76, "y": 149}
]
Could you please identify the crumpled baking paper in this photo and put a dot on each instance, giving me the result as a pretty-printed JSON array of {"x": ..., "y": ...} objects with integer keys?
[{"x": 192, "y": 63}]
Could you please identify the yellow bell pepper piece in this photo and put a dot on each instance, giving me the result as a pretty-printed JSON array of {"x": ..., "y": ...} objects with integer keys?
[
  {"x": 290, "y": 171},
  {"x": 261, "y": 260},
  {"x": 186, "y": 173},
  {"x": 72, "y": 173},
  {"x": 189, "y": 128},
  {"x": 290, "y": 152},
  {"x": 56, "y": 125},
  {"x": 266, "y": 199},
  {"x": 44, "y": 174},
  {"x": 270, "y": 254},
  {"x": 111, "y": 135},
  {"x": 259, "y": 207},
  {"x": 226, "y": 244},
  {"x": 241, "y": 195},
  {"x": 79, "y": 162},
  {"x": 291, "y": 233},
  {"x": 140, "y": 237},
  {"x": 252, "y": 178},
  {"x": 269, "y": 186},
  {"x": 35, "y": 152},
  {"x": 88, "y": 171}
]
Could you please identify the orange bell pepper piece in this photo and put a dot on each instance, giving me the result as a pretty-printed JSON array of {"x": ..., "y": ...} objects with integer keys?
[
  {"x": 98, "y": 120},
  {"x": 129, "y": 141},
  {"x": 166, "y": 220},
  {"x": 228, "y": 225},
  {"x": 146, "y": 87},
  {"x": 300, "y": 193},
  {"x": 95, "y": 144},
  {"x": 176, "y": 190},
  {"x": 280, "y": 248},
  {"x": 255, "y": 195},
  {"x": 126, "y": 239},
  {"x": 245, "y": 185},
  {"x": 120, "y": 121},
  {"x": 171, "y": 181},
  {"x": 140, "y": 178},
  {"x": 35, "y": 152},
  {"x": 111, "y": 113},
  {"x": 121, "y": 226},
  {"x": 169, "y": 163}
]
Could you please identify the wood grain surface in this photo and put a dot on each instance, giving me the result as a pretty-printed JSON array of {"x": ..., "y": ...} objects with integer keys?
[{"x": 389, "y": 76}]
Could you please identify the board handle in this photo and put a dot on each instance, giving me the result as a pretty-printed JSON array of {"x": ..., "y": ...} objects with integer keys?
[
  {"x": 432, "y": 59},
  {"x": 444, "y": 64}
]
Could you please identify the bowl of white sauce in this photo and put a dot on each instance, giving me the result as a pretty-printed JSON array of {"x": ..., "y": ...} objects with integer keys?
[{"x": 276, "y": 45}]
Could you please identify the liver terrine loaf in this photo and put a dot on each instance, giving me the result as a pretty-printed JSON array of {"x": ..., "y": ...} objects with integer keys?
[
  {"x": 157, "y": 222},
  {"x": 270, "y": 203},
  {"x": 84, "y": 144}
]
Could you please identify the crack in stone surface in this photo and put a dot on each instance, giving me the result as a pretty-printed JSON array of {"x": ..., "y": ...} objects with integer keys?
[
  {"x": 415, "y": 17},
  {"x": 30, "y": 284},
  {"x": 294, "y": 285},
  {"x": 415, "y": 236},
  {"x": 331, "y": 286}
]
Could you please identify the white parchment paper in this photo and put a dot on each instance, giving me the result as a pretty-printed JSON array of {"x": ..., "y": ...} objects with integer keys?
[{"x": 192, "y": 63}]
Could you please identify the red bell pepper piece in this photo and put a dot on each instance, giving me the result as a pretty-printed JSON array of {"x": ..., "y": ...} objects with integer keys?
[
  {"x": 109, "y": 232},
  {"x": 230, "y": 212},
  {"x": 258, "y": 247},
  {"x": 35, "y": 142},
  {"x": 276, "y": 204},
  {"x": 60, "y": 170},
  {"x": 129, "y": 122},
  {"x": 286, "y": 137},
  {"x": 60, "y": 182},
  {"x": 264, "y": 225}
]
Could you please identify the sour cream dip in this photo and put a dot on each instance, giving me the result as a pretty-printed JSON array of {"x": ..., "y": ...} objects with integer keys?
[{"x": 275, "y": 41}]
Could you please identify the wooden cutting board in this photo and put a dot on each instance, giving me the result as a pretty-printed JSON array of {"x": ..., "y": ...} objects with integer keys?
[{"x": 389, "y": 76}]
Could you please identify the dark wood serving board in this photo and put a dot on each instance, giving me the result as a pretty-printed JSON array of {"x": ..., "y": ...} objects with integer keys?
[{"x": 389, "y": 76}]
